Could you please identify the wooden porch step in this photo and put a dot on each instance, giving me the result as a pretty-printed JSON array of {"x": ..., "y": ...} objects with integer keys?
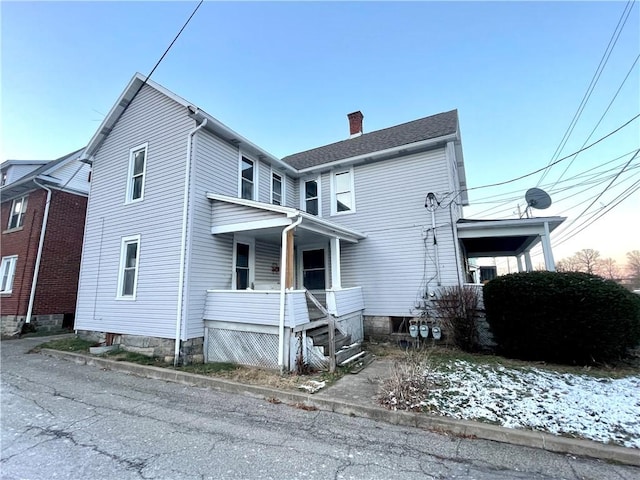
[{"x": 347, "y": 352}]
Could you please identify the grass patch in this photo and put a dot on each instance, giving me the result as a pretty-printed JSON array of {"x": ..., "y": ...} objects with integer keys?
[
  {"x": 73, "y": 344},
  {"x": 133, "y": 357},
  {"x": 209, "y": 368}
]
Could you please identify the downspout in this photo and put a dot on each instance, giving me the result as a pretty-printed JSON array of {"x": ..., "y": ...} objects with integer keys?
[
  {"x": 183, "y": 241},
  {"x": 36, "y": 269},
  {"x": 283, "y": 279}
]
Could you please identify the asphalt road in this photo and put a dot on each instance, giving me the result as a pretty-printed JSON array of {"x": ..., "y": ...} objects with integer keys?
[{"x": 60, "y": 420}]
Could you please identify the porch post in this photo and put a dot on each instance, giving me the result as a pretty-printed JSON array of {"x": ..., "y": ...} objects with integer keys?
[
  {"x": 336, "y": 283},
  {"x": 290, "y": 269},
  {"x": 527, "y": 261},
  {"x": 546, "y": 249},
  {"x": 519, "y": 260}
]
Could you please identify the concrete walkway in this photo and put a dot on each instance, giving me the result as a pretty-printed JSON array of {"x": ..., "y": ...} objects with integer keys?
[{"x": 355, "y": 395}]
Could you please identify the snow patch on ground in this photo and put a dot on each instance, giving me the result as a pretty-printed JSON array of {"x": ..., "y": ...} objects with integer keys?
[{"x": 602, "y": 409}]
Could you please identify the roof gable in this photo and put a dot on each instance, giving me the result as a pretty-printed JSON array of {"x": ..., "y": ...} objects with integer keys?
[{"x": 427, "y": 128}]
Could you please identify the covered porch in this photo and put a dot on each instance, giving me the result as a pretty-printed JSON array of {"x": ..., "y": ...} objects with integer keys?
[
  {"x": 508, "y": 238},
  {"x": 285, "y": 282}
]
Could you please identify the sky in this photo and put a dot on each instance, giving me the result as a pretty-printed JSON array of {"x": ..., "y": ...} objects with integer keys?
[{"x": 286, "y": 74}]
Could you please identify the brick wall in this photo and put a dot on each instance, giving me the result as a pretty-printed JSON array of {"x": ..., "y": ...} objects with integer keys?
[
  {"x": 60, "y": 265},
  {"x": 24, "y": 243}
]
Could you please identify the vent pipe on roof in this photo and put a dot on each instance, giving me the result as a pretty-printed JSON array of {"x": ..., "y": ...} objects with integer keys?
[{"x": 355, "y": 124}]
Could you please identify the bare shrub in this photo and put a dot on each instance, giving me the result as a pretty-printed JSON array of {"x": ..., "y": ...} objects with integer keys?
[
  {"x": 410, "y": 378},
  {"x": 457, "y": 309}
]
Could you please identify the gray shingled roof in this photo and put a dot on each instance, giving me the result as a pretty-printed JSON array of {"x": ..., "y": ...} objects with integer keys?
[{"x": 418, "y": 130}]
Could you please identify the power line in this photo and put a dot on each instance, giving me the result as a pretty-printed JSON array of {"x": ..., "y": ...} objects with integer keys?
[
  {"x": 594, "y": 80},
  {"x": 554, "y": 163},
  {"x": 601, "y": 118}
]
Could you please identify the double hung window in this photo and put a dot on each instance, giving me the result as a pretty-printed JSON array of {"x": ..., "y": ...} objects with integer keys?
[
  {"x": 129, "y": 260},
  {"x": 276, "y": 189},
  {"x": 7, "y": 272},
  {"x": 247, "y": 179},
  {"x": 16, "y": 215},
  {"x": 137, "y": 171}
]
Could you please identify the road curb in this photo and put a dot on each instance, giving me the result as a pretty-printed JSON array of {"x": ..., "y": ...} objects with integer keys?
[{"x": 464, "y": 428}]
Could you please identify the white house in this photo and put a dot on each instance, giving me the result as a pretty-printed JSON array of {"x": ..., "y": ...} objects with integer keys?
[{"x": 196, "y": 234}]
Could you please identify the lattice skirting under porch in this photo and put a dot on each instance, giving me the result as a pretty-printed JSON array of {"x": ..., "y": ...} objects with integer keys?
[{"x": 246, "y": 348}]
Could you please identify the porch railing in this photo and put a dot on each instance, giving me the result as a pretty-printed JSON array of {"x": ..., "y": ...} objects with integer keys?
[{"x": 345, "y": 301}]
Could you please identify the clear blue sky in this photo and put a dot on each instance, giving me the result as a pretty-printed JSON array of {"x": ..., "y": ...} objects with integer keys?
[{"x": 286, "y": 74}]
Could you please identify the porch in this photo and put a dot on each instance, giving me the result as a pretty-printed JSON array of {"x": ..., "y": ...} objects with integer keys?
[{"x": 286, "y": 290}]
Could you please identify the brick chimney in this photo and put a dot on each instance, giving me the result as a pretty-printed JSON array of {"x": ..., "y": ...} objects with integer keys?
[{"x": 355, "y": 124}]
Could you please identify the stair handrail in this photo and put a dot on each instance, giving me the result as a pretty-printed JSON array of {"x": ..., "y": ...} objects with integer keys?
[{"x": 331, "y": 321}]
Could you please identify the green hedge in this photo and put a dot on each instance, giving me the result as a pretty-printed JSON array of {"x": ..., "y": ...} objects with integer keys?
[{"x": 566, "y": 317}]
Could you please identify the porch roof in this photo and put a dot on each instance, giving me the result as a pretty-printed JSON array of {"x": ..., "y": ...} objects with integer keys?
[
  {"x": 503, "y": 238},
  {"x": 277, "y": 217}
]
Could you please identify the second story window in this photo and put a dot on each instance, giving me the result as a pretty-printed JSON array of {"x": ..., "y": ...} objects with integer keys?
[
  {"x": 137, "y": 170},
  {"x": 247, "y": 183},
  {"x": 16, "y": 216},
  {"x": 342, "y": 197},
  {"x": 276, "y": 189},
  {"x": 311, "y": 197}
]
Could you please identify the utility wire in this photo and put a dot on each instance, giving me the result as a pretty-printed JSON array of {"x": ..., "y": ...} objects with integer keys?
[
  {"x": 554, "y": 163},
  {"x": 594, "y": 80},
  {"x": 163, "y": 55},
  {"x": 599, "y": 121}
]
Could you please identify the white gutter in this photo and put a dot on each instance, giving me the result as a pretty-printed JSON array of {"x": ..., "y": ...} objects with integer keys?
[
  {"x": 36, "y": 270},
  {"x": 283, "y": 279},
  {"x": 183, "y": 242},
  {"x": 381, "y": 153}
]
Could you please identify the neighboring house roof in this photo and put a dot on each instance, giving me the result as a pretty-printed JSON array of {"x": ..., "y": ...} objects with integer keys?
[
  {"x": 427, "y": 128},
  {"x": 43, "y": 173}
]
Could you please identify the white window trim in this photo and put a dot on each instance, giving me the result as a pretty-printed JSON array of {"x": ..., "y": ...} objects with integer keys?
[
  {"x": 256, "y": 176},
  {"x": 282, "y": 187},
  {"x": 123, "y": 251},
  {"x": 145, "y": 147},
  {"x": 252, "y": 259},
  {"x": 23, "y": 210},
  {"x": 303, "y": 193},
  {"x": 334, "y": 192},
  {"x": 12, "y": 261}
]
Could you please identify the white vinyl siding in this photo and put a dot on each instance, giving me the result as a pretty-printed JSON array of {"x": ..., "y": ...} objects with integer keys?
[
  {"x": 137, "y": 169},
  {"x": 157, "y": 120},
  {"x": 7, "y": 273},
  {"x": 16, "y": 215},
  {"x": 396, "y": 259},
  {"x": 128, "y": 271},
  {"x": 342, "y": 192},
  {"x": 210, "y": 257}
]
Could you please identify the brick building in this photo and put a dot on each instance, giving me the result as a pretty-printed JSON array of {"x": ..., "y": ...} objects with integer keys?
[{"x": 42, "y": 223}]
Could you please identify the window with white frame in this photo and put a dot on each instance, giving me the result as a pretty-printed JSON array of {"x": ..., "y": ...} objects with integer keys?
[
  {"x": 7, "y": 272},
  {"x": 137, "y": 170},
  {"x": 243, "y": 263},
  {"x": 16, "y": 216},
  {"x": 312, "y": 197},
  {"x": 342, "y": 192},
  {"x": 277, "y": 188},
  {"x": 247, "y": 179},
  {"x": 128, "y": 274}
]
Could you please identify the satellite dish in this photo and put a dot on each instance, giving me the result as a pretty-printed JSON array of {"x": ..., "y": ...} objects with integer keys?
[{"x": 537, "y": 198}]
